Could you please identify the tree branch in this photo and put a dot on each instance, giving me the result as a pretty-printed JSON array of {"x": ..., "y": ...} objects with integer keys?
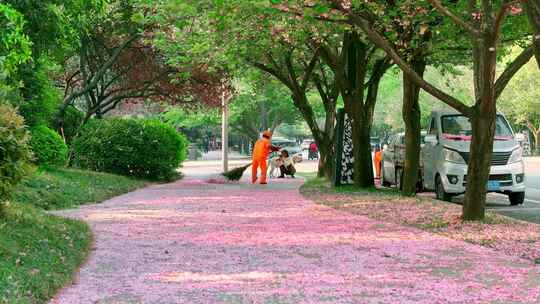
[
  {"x": 382, "y": 43},
  {"x": 99, "y": 74},
  {"x": 309, "y": 70},
  {"x": 512, "y": 69},
  {"x": 446, "y": 12}
]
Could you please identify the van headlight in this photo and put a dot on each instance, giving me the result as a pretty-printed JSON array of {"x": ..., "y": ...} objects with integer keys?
[
  {"x": 516, "y": 156},
  {"x": 453, "y": 157}
]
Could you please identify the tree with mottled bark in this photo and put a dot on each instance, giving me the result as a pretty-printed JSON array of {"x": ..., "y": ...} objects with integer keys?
[
  {"x": 482, "y": 23},
  {"x": 358, "y": 68}
]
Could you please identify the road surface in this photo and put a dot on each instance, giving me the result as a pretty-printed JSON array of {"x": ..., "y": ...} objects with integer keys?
[{"x": 530, "y": 210}]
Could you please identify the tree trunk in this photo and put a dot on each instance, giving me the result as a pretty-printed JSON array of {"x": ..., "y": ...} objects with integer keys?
[
  {"x": 361, "y": 140},
  {"x": 411, "y": 116},
  {"x": 483, "y": 131},
  {"x": 326, "y": 162},
  {"x": 352, "y": 90},
  {"x": 363, "y": 162},
  {"x": 326, "y": 151},
  {"x": 532, "y": 7},
  {"x": 323, "y": 141}
]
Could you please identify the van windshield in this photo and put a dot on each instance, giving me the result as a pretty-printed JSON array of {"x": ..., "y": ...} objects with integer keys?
[{"x": 459, "y": 127}]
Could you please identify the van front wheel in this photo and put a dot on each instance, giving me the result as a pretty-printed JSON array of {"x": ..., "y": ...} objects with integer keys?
[
  {"x": 516, "y": 198},
  {"x": 441, "y": 193}
]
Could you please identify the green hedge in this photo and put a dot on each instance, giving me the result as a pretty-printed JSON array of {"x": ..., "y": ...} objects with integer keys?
[
  {"x": 15, "y": 152},
  {"x": 141, "y": 148},
  {"x": 48, "y": 147}
]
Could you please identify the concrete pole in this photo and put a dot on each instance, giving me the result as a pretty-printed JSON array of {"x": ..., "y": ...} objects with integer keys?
[{"x": 225, "y": 133}]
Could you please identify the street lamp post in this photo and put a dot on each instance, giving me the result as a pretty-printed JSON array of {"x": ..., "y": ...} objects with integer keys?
[{"x": 225, "y": 132}]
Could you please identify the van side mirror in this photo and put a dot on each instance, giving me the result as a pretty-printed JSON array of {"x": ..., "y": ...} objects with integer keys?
[{"x": 431, "y": 139}]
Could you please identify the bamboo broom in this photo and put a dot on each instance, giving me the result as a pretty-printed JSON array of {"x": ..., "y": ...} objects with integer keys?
[{"x": 236, "y": 173}]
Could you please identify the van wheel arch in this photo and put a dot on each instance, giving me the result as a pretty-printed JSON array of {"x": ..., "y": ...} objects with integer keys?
[{"x": 439, "y": 190}]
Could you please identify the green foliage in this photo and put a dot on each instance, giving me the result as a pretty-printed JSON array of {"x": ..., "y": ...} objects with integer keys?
[
  {"x": 298, "y": 130},
  {"x": 48, "y": 147},
  {"x": 70, "y": 125},
  {"x": 14, "y": 45},
  {"x": 53, "y": 26},
  {"x": 521, "y": 99},
  {"x": 141, "y": 148},
  {"x": 40, "y": 96},
  {"x": 14, "y": 51},
  {"x": 197, "y": 125},
  {"x": 40, "y": 253},
  {"x": 62, "y": 188},
  {"x": 15, "y": 152},
  {"x": 262, "y": 103}
]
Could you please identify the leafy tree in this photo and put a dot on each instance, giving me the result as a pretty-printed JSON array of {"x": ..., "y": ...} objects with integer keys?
[
  {"x": 52, "y": 27},
  {"x": 14, "y": 48},
  {"x": 199, "y": 125},
  {"x": 482, "y": 24},
  {"x": 521, "y": 100},
  {"x": 532, "y": 8},
  {"x": 117, "y": 62},
  {"x": 254, "y": 33},
  {"x": 261, "y": 105}
]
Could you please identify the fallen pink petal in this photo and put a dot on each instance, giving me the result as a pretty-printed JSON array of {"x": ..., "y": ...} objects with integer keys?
[{"x": 198, "y": 242}]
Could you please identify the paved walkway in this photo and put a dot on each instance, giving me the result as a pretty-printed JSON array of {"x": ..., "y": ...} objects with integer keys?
[{"x": 194, "y": 242}]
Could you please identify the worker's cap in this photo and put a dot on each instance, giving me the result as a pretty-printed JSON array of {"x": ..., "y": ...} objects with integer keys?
[{"x": 267, "y": 134}]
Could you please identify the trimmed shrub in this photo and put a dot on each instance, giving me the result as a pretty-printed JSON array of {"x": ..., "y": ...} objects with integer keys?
[
  {"x": 141, "y": 148},
  {"x": 15, "y": 153},
  {"x": 48, "y": 147}
]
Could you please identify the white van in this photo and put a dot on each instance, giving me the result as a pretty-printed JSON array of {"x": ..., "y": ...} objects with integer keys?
[
  {"x": 393, "y": 161},
  {"x": 446, "y": 153}
]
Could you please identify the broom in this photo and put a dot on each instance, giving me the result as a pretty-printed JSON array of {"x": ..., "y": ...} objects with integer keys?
[{"x": 236, "y": 173}]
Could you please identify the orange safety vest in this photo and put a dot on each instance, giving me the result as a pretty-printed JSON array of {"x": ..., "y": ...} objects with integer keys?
[{"x": 261, "y": 150}]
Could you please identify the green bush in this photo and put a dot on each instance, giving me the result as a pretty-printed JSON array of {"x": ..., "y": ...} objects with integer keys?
[
  {"x": 15, "y": 153},
  {"x": 70, "y": 123},
  {"x": 48, "y": 147},
  {"x": 141, "y": 148}
]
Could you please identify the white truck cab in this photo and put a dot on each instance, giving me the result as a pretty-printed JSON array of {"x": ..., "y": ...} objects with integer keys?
[{"x": 446, "y": 154}]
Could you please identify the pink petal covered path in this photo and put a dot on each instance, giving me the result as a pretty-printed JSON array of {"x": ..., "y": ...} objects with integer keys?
[{"x": 195, "y": 242}]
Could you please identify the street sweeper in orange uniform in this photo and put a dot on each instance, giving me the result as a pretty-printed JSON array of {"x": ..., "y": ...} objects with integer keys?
[{"x": 261, "y": 150}]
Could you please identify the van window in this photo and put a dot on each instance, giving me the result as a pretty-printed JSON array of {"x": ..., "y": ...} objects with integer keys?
[{"x": 460, "y": 125}]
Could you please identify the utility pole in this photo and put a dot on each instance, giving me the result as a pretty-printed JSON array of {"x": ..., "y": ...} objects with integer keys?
[{"x": 225, "y": 132}]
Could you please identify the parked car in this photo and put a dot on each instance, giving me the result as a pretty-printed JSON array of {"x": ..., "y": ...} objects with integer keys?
[
  {"x": 305, "y": 144},
  {"x": 446, "y": 155},
  {"x": 290, "y": 145},
  {"x": 393, "y": 160}
]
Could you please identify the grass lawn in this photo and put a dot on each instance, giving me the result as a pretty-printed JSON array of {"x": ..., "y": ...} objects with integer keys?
[
  {"x": 40, "y": 253},
  {"x": 60, "y": 188},
  {"x": 498, "y": 232}
]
